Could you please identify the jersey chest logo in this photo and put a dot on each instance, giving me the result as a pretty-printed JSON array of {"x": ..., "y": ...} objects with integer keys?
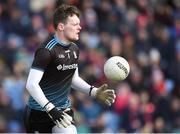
[{"x": 67, "y": 67}]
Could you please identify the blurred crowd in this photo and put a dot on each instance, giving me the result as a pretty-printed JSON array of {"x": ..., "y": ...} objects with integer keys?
[{"x": 145, "y": 32}]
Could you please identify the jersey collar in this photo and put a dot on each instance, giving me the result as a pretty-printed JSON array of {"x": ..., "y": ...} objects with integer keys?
[{"x": 60, "y": 42}]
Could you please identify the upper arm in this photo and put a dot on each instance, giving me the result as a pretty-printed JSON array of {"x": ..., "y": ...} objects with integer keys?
[
  {"x": 34, "y": 77},
  {"x": 42, "y": 59}
]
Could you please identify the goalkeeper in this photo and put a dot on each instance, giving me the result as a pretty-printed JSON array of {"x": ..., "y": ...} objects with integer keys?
[{"x": 53, "y": 73}]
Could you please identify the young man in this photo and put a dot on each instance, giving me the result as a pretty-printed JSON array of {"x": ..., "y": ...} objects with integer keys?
[{"x": 53, "y": 73}]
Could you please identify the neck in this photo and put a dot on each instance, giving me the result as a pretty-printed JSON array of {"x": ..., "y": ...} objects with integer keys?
[{"x": 61, "y": 38}]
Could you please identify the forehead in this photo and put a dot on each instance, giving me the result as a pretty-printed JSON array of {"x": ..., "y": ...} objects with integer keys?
[{"x": 73, "y": 19}]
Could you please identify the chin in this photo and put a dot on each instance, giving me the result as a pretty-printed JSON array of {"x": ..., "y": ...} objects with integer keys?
[
  {"x": 77, "y": 38},
  {"x": 74, "y": 39}
]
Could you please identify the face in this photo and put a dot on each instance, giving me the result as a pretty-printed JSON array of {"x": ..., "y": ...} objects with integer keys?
[{"x": 72, "y": 28}]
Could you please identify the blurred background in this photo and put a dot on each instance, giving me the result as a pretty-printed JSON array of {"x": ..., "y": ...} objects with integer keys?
[{"x": 145, "y": 32}]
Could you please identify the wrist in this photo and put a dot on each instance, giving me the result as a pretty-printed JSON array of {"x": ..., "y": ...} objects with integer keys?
[
  {"x": 93, "y": 91},
  {"x": 49, "y": 106}
]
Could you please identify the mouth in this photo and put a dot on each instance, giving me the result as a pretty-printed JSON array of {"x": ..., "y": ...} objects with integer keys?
[{"x": 77, "y": 34}]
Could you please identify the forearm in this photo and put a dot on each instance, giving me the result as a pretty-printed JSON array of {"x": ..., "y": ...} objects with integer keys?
[
  {"x": 103, "y": 94},
  {"x": 80, "y": 85},
  {"x": 33, "y": 87}
]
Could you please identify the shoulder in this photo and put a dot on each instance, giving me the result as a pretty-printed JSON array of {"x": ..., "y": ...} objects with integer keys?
[
  {"x": 48, "y": 44},
  {"x": 46, "y": 47}
]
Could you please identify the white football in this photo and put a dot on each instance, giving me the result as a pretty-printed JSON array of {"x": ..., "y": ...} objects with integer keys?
[{"x": 116, "y": 68}]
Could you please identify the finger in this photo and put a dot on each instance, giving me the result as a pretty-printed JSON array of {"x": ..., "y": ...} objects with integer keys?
[
  {"x": 103, "y": 87},
  {"x": 50, "y": 116},
  {"x": 109, "y": 91},
  {"x": 114, "y": 96},
  {"x": 67, "y": 109},
  {"x": 112, "y": 90},
  {"x": 58, "y": 124},
  {"x": 68, "y": 116},
  {"x": 66, "y": 120},
  {"x": 111, "y": 99},
  {"x": 110, "y": 95},
  {"x": 107, "y": 102},
  {"x": 63, "y": 123}
]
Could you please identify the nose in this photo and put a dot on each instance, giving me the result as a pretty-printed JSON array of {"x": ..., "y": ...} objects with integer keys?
[{"x": 79, "y": 27}]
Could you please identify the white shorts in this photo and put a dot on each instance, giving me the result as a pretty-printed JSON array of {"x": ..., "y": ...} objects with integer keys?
[{"x": 69, "y": 130}]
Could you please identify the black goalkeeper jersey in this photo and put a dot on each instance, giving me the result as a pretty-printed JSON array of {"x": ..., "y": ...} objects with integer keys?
[{"x": 59, "y": 62}]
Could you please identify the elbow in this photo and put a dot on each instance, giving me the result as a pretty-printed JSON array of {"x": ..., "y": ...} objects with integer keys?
[{"x": 28, "y": 86}]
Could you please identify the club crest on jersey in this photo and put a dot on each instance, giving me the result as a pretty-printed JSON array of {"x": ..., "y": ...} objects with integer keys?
[
  {"x": 61, "y": 56},
  {"x": 67, "y": 67}
]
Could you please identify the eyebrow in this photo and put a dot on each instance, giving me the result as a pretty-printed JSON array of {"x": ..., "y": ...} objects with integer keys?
[{"x": 74, "y": 23}]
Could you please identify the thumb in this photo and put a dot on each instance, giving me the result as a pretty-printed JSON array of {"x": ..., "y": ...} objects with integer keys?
[
  {"x": 103, "y": 87},
  {"x": 67, "y": 109}
]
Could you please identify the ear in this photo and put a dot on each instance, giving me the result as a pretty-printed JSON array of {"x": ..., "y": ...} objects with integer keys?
[{"x": 60, "y": 26}]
